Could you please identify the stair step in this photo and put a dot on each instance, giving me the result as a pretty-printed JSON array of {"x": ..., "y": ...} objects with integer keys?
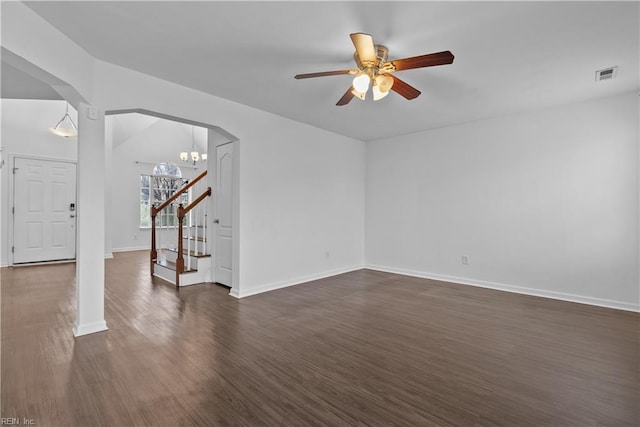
[
  {"x": 184, "y": 252},
  {"x": 199, "y": 238},
  {"x": 172, "y": 266}
]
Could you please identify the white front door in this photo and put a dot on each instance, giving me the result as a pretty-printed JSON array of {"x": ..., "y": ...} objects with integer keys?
[
  {"x": 222, "y": 196},
  {"x": 44, "y": 223}
]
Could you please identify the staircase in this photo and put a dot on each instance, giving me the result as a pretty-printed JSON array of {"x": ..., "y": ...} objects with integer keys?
[{"x": 181, "y": 255}]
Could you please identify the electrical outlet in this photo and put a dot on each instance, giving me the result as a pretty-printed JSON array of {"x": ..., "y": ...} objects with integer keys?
[{"x": 465, "y": 259}]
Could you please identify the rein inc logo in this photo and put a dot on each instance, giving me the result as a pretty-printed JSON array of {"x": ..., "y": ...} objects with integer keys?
[{"x": 13, "y": 421}]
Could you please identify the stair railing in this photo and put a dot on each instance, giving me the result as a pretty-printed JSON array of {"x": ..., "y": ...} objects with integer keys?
[
  {"x": 182, "y": 212},
  {"x": 155, "y": 210}
]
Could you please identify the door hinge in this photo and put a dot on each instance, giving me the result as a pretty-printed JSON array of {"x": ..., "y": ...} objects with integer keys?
[
  {"x": 14, "y": 170},
  {"x": 13, "y": 210},
  {"x": 13, "y": 249}
]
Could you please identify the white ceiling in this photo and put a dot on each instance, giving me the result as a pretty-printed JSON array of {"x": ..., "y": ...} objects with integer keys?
[
  {"x": 16, "y": 84},
  {"x": 509, "y": 56}
]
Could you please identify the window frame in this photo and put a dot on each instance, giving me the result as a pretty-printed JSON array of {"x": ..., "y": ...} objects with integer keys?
[{"x": 155, "y": 188}]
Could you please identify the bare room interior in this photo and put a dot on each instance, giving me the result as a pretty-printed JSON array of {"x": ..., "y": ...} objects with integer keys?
[{"x": 320, "y": 213}]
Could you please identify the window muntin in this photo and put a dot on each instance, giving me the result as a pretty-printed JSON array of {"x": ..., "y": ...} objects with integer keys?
[{"x": 158, "y": 187}]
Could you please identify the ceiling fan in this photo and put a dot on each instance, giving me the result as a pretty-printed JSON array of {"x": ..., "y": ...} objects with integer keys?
[{"x": 373, "y": 67}]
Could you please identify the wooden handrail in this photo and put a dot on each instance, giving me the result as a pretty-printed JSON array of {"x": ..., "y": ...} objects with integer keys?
[
  {"x": 193, "y": 204},
  {"x": 155, "y": 210},
  {"x": 182, "y": 212}
]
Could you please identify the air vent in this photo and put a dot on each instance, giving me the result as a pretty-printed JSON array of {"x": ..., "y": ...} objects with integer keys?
[{"x": 606, "y": 74}]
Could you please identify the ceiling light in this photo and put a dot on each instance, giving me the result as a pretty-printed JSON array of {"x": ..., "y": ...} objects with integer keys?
[
  {"x": 377, "y": 93},
  {"x": 381, "y": 86},
  {"x": 65, "y": 127},
  {"x": 361, "y": 83},
  {"x": 193, "y": 156},
  {"x": 385, "y": 82}
]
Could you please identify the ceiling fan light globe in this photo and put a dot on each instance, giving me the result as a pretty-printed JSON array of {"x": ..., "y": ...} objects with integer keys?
[
  {"x": 184, "y": 156},
  {"x": 377, "y": 93},
  {"x": 384, "y": 83},
  {"x": 204, "y": 156},
  {"x": 195, "y": 156},
  {"x": 361, "y": 83}
]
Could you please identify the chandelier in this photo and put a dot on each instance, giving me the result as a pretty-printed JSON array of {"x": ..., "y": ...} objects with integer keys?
[{"x": 193, "y": 156}]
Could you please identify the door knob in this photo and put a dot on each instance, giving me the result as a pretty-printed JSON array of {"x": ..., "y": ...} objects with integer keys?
[
  {"x": 72, "y": 216},
  {"x": 216, "y": 221}
]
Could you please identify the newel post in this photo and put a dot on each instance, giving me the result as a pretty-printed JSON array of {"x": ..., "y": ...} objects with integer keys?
[
  {"x": 154, "y": 251},
  {"x": 180, "y": 259}
]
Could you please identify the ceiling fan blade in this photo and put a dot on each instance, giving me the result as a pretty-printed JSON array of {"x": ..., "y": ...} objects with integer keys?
[
  {"x": 404, "y": 89},
  {"x": 348, "y": 96},
  {"x": 323, "y": 74},
  {"x": 364, "y": 47},
  {"x": 428, "y": 60}
]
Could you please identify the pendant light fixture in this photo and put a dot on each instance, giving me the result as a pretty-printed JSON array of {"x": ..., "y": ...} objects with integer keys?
[
  {"x": 65, "y": 127},
  {"x": 193, "y": 157}
]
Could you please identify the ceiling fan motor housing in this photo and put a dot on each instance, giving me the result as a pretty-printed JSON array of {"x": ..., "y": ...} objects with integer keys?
[{"x": 382, "y": 53}]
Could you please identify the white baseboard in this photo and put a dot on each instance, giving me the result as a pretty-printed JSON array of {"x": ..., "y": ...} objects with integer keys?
[
  {"x": 106, "y": 256},
  {"x": 291, "y": 282},
  {"x": 35, "y": 264},
  {"x": 132, "y": 249},
  {"x": 619, "y": 305},
  {"x": 89, "y": 328}
]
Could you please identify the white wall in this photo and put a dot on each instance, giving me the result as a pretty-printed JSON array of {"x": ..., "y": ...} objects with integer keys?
[
  {"x": 25, "y": 133},
  {"x": 543, "y": 203},
  {"x": 302, "y": 205}
]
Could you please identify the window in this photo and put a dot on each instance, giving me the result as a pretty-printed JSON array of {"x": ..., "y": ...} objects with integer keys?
[{"x": 158, "y": 187}]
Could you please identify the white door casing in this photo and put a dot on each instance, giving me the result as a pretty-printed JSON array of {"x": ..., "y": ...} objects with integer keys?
[
  {"x": 44, "y": 210},
  {"x": 224, "y": 214}
]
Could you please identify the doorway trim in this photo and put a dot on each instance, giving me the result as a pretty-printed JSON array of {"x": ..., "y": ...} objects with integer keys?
[{"x": 11, "y": 223}]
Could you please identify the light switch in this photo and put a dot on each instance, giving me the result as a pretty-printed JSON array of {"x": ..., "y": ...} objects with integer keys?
[{"x": 93, "y": 113}]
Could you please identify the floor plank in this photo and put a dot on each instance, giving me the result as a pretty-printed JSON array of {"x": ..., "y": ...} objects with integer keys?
[{"x": 362, "y": 348}]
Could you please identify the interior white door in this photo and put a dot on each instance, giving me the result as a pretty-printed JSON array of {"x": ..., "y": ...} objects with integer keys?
[
  {"x": 44, "y": 223},
  {"x": 223, "y": 206}
]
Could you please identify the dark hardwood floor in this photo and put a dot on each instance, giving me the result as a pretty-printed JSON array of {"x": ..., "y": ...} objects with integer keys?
[{"x": 363, "y": 348}]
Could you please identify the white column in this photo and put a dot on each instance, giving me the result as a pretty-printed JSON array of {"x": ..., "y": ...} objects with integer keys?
[
  {"x": 108, "y": 156},
  {"x": 90, "y": 222}
]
